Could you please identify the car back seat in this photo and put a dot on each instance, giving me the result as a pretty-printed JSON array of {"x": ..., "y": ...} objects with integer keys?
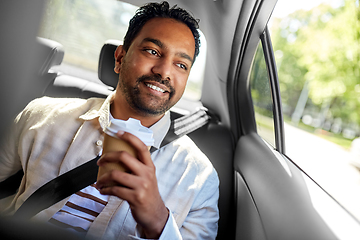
[
  {"x": 48, "y": 53},
  {"x": 214, "y": 139},
  {"x": 52, "y": 54},
  {"x": 216, "y": 142},
  {"x": 69, "y": 86}
]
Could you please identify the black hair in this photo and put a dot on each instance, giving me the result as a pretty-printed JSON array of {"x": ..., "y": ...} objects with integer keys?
[{"x": 153, "y": 10}]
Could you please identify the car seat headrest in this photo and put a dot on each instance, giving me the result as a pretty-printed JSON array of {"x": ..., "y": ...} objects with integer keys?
[
  {"x": 51, "y": 53},
  {"x": 107, "y": 63}
]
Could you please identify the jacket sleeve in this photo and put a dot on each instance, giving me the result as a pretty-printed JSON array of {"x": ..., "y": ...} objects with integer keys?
[{"x": 9, "y": 158}]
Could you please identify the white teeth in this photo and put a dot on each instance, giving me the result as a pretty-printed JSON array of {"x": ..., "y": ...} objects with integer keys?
[{"x": 155, "y": 87}]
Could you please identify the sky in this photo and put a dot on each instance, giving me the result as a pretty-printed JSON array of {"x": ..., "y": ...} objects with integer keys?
[{"x": 285, "y": 7}]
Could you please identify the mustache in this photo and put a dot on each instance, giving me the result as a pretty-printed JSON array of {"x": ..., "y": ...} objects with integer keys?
[{"x": 156, "y": 78}]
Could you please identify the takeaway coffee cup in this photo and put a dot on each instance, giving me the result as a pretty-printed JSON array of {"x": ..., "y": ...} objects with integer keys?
[{"x": 113, "y": 143}]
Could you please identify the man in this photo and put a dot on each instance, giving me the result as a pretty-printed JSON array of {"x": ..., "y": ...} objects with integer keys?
[{"x": 171, "y": 193}]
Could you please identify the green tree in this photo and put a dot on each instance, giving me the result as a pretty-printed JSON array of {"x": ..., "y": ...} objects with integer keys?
[{"x": 321, "y": 46}]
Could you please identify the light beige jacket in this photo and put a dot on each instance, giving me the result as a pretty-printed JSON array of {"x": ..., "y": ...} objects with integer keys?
[{"x": 52, "y": 136}]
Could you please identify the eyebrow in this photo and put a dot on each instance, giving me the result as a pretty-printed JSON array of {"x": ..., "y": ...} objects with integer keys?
[{"x": 161, "y": 45}]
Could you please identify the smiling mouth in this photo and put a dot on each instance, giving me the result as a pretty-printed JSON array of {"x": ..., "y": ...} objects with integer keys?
[{"x": 155, "y": 88}]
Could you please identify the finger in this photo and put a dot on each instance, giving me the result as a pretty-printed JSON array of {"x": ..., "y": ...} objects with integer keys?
[
  {"x": 118, "y": 191},
  {"x": 117, "y": 178},
  {"x": 113, "y": 157},
  {"x": 108, "y": 157},
  {"x": 127, "y": 161},
  {"x": 134, "y": 197},
  {"x": 141, "y": 149}
]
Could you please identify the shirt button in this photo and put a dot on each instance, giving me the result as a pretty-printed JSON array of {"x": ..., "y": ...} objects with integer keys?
[{"x": 99, "y": 143}]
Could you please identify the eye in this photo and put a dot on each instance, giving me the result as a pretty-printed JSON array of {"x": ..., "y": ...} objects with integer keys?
[
  {"x": 152, "y": 52},
  {"x": 183, "y": 66}
]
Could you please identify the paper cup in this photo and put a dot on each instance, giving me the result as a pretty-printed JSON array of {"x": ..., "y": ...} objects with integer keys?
[{"x": 113, "y": 144}]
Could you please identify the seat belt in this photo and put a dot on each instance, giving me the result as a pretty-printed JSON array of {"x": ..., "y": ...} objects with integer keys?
[
  {"x": 82, "y": 176},
  {"x": 59, "y": 188},
  {"x": 186, "y": 124}
]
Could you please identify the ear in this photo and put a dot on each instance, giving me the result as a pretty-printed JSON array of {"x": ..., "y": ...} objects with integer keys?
[{"x": 118, "y": 55}]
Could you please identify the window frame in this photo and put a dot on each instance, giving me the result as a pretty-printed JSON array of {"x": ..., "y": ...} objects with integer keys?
[
  {"x": 241, "y": 111},
  {"x": 275, "y": 90},
  {"x": 244, "y": 99}
]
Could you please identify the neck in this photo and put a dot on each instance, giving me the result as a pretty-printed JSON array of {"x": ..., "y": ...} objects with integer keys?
[{"x": 120, "y": 111}]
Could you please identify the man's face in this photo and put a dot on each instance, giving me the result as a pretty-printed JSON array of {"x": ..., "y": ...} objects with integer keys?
[{"x": 154, "y": 71}]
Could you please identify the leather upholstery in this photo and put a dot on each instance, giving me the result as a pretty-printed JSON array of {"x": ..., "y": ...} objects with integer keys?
[
  {"x": 216, "y": 141},
  {"x": 107, "y": 63},
  {"x": 69, "y": 86},
  {"x": 51, "y": 54},
  {"x": 63, "y": 85}
]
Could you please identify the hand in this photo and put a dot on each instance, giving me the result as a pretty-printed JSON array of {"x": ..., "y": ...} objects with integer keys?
[{"x": 139, "y": 187}]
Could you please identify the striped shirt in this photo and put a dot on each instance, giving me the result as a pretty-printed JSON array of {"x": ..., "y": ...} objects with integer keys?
[{"x": 81, "y": 210}]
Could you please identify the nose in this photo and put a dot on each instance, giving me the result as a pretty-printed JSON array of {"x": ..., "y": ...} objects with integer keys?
[{"x": 163, "y": 68}]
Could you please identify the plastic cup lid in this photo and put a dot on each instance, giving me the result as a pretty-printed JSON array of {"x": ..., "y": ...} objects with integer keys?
[{"x": 132, "y": 126}]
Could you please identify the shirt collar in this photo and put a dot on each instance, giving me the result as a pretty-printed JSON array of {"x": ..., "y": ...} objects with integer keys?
[{"x": 160, "y": 128}]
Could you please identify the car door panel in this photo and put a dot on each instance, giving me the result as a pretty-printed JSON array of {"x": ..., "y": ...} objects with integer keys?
[
  {"x": 248, "y": 221},
  {"x": 271, "y": 191},
  {"x": 279, "y": 193}
]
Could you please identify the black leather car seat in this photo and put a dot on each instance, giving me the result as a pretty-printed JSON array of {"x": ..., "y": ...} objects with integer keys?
[
  {"x": 216, "y": 141},
  {"x": 107, "y": 63},
  {"x": 52, "y": 54},
  {"x": 48, "y": 54},
  {"x": 69, "y": 86}
]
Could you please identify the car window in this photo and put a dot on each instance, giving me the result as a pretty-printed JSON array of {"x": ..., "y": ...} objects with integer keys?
[
  {"x": 261, "y": 97},
  {"x": 83, "y": 26},
  {"x": 316, "y": 46}
]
